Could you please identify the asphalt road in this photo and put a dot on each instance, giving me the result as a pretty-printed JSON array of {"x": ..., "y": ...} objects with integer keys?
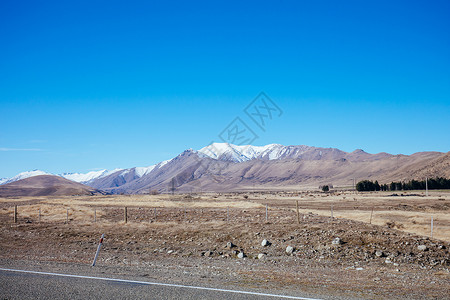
[{"x": 20, "y": 284}]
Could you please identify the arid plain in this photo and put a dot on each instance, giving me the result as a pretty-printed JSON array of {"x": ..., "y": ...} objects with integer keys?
[{"x": 385, "y": 249}]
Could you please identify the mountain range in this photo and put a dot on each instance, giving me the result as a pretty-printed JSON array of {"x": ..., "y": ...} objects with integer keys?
[
  {"x": 227, "y": 167},
  {"x": 45, "y": 185}
]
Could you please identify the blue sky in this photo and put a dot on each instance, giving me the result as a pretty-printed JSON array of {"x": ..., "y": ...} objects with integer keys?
[{"x": 87, "y": 86}]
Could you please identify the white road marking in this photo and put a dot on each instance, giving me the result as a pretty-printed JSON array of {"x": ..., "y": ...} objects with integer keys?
[{"x": 157, "y": 283}]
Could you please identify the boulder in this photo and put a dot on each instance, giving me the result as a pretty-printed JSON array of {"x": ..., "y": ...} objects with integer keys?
[
  {"x": 289, "y": 250},
  {"x": 422, "y": 247},
  {"x": 336, "y": 241},
  {"x": 230, "y": 245},
  {"x": 265, "y": 243}
]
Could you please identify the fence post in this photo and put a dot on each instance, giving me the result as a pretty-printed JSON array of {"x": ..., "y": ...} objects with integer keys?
[
  {"x": 267, "y": 213},
  {"x": 431, "y": 226},
  {"x": 125, "y": 216},
  {"x": 298, "y": 213},
  {"x": 15, "y": 213}
]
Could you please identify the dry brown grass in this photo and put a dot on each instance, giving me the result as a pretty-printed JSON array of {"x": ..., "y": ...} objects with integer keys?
[{"x": 409, "y": 213}]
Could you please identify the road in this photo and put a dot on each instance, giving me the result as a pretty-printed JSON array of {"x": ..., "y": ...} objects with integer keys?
[{"x": 24, "y": 284}]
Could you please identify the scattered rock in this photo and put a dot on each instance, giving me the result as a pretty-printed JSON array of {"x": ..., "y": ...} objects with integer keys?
[
  {"x": 265, "y": 243},
  {"x": 379, "y": 253},
  {"x": 261, "y": 255},
  {"x": 289, "y": 250},
  {"x": 170, "y": 252},
  {"x": 241, "y": 255},
  {"x": 422, "y": 247},
  {"x": 208, "y": 253},
  {"x": 230, "y": 245},
  {"x": 336, "y": 241}
]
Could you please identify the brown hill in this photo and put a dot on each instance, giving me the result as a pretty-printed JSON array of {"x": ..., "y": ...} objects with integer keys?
[
  {"x": 45, "y": 185},
  {"x": 438, "y": 167},
  {"x": 188, "y": 172}
]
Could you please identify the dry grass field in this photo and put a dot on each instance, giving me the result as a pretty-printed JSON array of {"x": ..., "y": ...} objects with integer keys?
[{"x": 407, "y": 211}]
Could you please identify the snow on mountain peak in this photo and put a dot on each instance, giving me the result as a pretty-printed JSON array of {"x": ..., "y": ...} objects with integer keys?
[
  {"x": 141, "y": 171},
  {"x": 86, "y": 177},
  {"x": 23, "y": 175},
  {"x": 226, "y": 151}
]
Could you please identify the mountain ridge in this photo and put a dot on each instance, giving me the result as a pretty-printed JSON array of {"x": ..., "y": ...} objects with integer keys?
[{"x": 223, "y": 165}]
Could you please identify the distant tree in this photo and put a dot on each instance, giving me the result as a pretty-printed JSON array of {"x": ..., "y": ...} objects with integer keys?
[
  {"x": 365, "y": 186},
  {"x": 433, "y": 183},
  {"x": 392, "y": 186},
  {"x": 325, "y": 188},
  {"x": 377, "y": 185}
]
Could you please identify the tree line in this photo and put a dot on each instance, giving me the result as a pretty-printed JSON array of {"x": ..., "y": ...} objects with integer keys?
[{"x": 438, "y": 183}]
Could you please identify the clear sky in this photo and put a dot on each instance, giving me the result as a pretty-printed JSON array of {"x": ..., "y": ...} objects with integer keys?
[{"x": 87, "y": 85}]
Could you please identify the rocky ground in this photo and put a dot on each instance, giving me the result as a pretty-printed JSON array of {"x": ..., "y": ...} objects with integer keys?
[{"x": 320, "y": 256}]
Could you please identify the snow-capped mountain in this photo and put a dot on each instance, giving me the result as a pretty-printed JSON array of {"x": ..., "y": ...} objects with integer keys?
[
  {"x": 90, "y": 177},
  {"x": 23, "y": 175},
  {"x": 141, "y": 171},
  {"x": 223, "y": 166},
  {"x": 86, "y": 177},
  {"x": 234, "y": 153},
  {"x": 218, "y": 151}
]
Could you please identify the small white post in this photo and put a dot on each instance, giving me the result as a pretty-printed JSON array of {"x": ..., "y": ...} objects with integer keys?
[
  {"x": 98, "y": 249},
  {"x": 431, "y": 226},
  {"x": 155, "y": 213}
]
